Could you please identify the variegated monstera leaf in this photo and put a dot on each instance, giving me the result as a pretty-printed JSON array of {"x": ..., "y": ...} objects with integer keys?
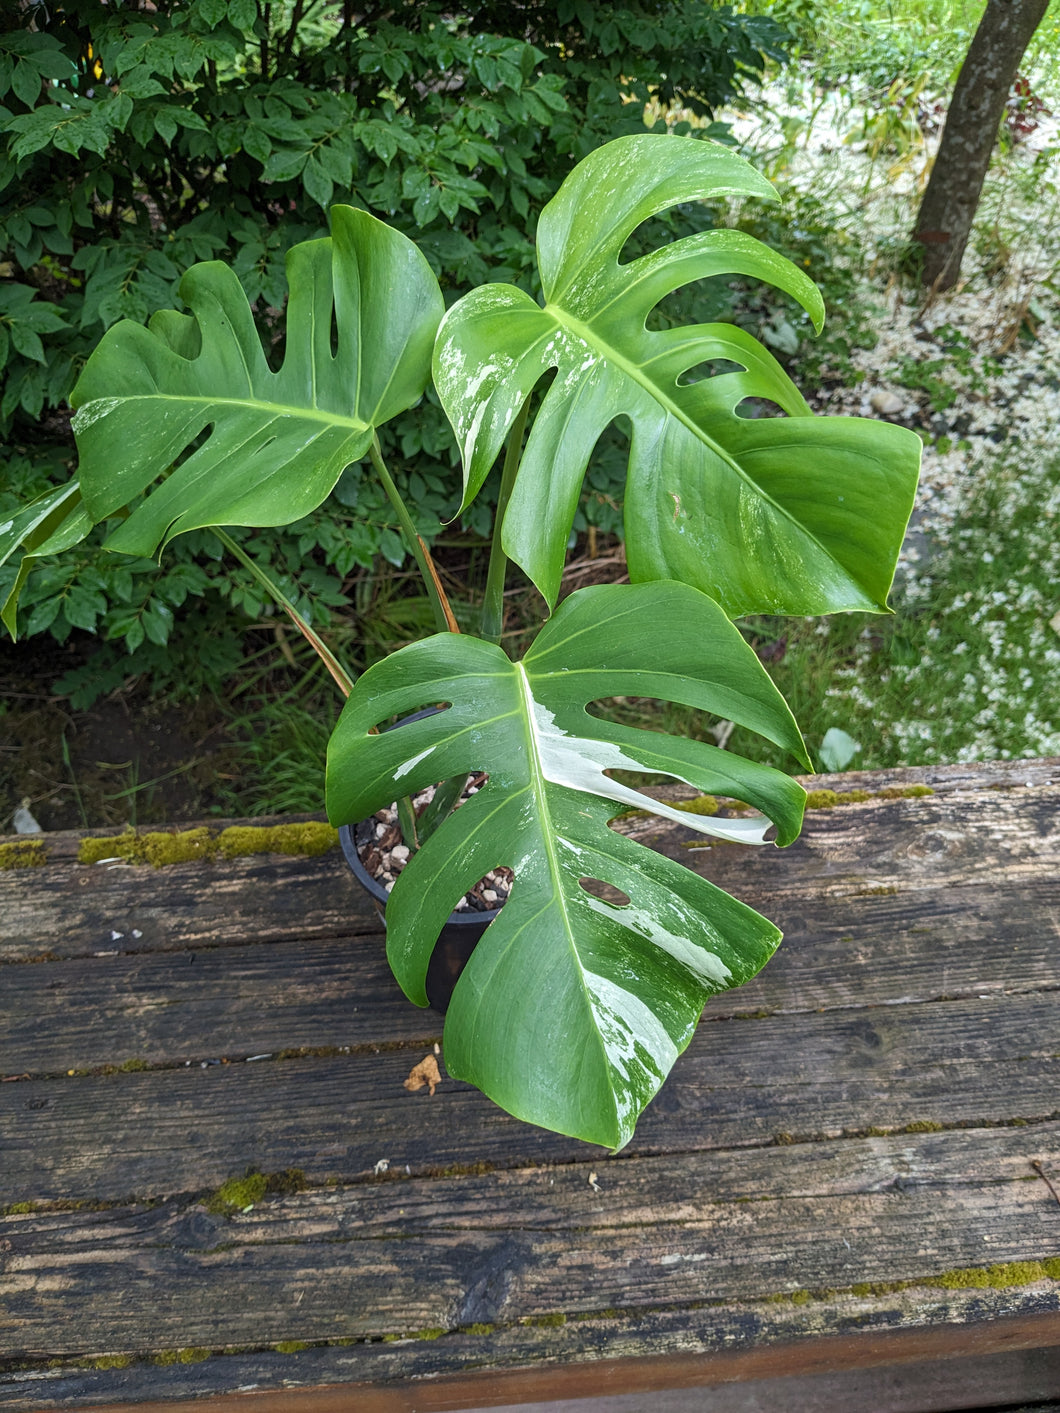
[
  {"x": 572, "y": 1009},
  {"x": 794, "y": 514},
  {"x": 250, "y": 446}
]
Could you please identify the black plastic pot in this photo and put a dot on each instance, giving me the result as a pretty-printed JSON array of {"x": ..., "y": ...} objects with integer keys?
[{"x": 458, "y": 937}]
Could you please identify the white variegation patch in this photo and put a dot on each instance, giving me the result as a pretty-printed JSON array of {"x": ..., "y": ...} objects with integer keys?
[
  {"x": 639, "y": 1048},
  {"x": 579, "y": 762},
  {"x": 704, "y": 965},
  {"x": 411, "y": 763},
  {"x": 92, "y": 412}
]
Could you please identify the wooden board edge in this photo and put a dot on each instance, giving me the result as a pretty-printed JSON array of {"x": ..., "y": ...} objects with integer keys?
[{"x": 593, "y": 1377}]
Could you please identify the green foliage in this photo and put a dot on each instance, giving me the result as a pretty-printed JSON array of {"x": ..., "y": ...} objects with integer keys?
[
  {"x": 803, "y": 228},
  {"x": 792, "y": 515},
  {"x": 254, "y": 446},
  {"x": 141, "y": 141},
  {"x": 324, "y": 563},
  {"x": 878, "y": 43},
  {"x": 573, "y": 1008},
  {"x": 625, "y": 983}
]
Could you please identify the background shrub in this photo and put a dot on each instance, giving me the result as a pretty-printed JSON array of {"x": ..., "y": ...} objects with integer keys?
[{"x": 140, "y": 140}]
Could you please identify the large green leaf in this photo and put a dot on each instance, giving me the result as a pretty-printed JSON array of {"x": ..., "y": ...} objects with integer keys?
[
  {"x": 571, "y": 1010},
  {"x": 799, "y": 514},
  {"x": 276, "y": 442}
]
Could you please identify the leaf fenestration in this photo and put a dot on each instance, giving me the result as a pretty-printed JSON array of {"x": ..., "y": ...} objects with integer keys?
[
  {"x": 275, "y": 442},
  {"x": 796, "y": 514},
  {"x": 625, "y": 984}
]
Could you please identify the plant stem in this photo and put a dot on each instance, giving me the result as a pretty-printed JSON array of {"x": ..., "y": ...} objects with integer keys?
[
  {"x": 342, "y": 678},
  {"x": 492, "y": 621},
  {"x": 407, "y": 822},
  {"x": 443, "y": 614}
]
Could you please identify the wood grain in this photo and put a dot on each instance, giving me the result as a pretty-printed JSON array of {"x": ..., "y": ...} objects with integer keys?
[
  {"x": 68, "y": 909},
  {"x": 397, "y": 1257},
  {"x": 866, "y": 1113},
  {"x": 728, "y": 1346},
  {"x": 740, "y": 1083},
  {"x": 196, "y": 1004}
]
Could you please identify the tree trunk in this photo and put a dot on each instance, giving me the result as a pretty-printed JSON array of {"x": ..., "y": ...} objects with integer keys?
[{"x": 968, "y": 138}]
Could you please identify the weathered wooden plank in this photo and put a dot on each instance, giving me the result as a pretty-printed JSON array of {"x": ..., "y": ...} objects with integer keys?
[
  {"x": 718, "y": 1346},
  {"x": 888, "y": 905},
  {"x": 972, "y": 775},
  {"x": 741, "y": 1082},
  {"x": 69, "y": 909},
  {"x": 366, "y": 1261},
  {"x": 629, "y": 1190},
  {"x": 890, "y": 846},
  {"x": 671, "y": 1348},
  {"x": 249, "y": 1000},
  {"x": 963, "y": 834},
  {"x": 234, "y": 1002}
]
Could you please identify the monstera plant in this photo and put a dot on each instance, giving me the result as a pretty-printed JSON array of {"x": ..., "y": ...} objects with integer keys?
[{"x": 572, "y": 1008}]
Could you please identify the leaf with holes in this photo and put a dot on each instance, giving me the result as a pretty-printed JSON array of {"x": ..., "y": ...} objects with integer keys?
[
  {"x": 796, "y": 514},
  {"x": 572, "y": 1009},
  {"x": 273, "y": 444}
]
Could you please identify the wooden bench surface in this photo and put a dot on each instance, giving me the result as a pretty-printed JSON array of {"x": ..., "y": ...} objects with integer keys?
[{"x": 860, "y": 1150}]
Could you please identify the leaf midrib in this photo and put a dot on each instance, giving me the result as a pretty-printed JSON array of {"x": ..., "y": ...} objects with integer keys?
[
  {"x": 272, "y": 409},
  {"x": 538, "y": 787}
]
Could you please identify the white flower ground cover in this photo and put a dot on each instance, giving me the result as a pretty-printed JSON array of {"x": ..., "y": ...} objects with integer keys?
[{"x": 970, "y": 667}]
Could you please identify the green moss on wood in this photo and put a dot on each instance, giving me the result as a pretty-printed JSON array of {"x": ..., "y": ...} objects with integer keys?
[
  {"x": 702, "y": 804},
  {"x": 286, "y": 1183},
  {"x": 188, "y": 846},
  {"x": 304, "y": 840},
  {"x": 108, "y": 1361},
  {"x": 23, "y": 853},
  {"x": 181, "y": 1356},
  {"x": 159, "y": 848},
  {"x": 16, "y": 1209},
  {"x": 829, "y": 799},
  {"x": 821, "y": 799},
  {"x": 923, "y": 1126},
  {"x": 290, "y": 1346},
  {"x": 156, "y": 847},
  {"x": 997, "y": 1277},
  {"x": 237, "y": 1194},
  {"x": 113, "y": 846}
]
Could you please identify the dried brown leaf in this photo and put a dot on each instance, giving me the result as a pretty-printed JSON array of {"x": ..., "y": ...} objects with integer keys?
[{"x": 425, "y": 1073}]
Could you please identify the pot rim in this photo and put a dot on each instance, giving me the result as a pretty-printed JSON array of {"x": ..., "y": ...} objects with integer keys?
[
  {"x": 467, "y": 918},
  {"x": 372, "y": 885}
]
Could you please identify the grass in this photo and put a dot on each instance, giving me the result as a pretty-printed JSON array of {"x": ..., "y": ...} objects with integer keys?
[{"x": 880, "y": 42}]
